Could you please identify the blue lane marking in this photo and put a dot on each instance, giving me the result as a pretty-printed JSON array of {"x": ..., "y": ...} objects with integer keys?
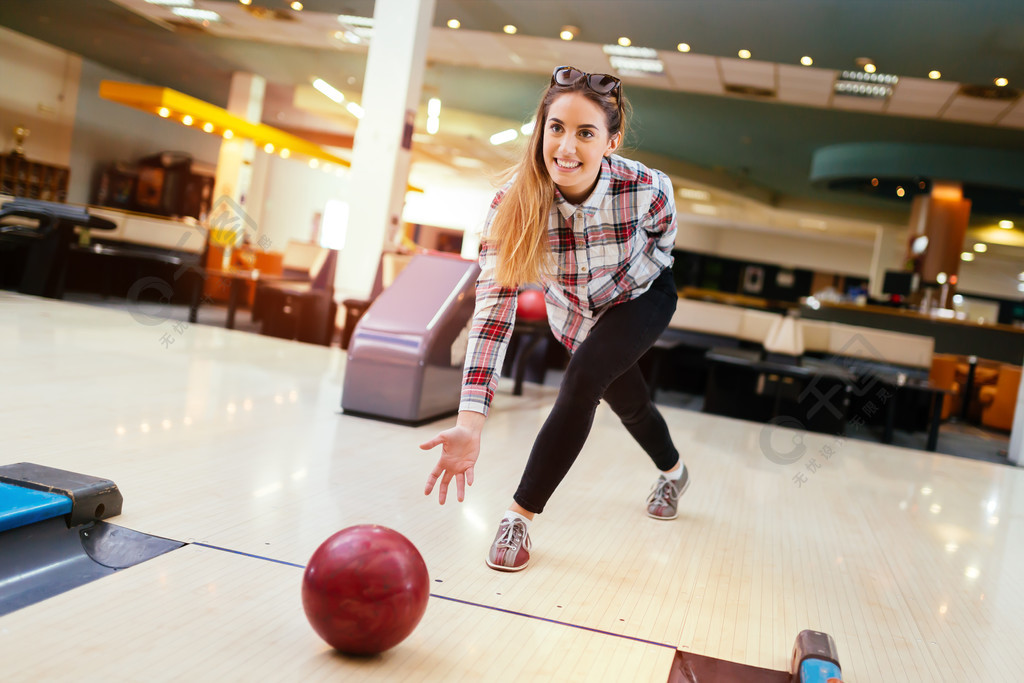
[
  {"x": 20, "y": 506},
  {"x": 464, "y": 602}
]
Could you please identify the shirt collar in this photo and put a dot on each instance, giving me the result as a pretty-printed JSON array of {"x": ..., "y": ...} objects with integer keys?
[{"x": 592, "y": 203}]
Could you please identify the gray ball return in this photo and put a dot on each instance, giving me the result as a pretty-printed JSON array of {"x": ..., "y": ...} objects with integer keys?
[{"x": 406, "y": 354}]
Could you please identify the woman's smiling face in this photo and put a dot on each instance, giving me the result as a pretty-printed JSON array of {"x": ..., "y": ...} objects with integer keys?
[{"x": 575, "y": 140}]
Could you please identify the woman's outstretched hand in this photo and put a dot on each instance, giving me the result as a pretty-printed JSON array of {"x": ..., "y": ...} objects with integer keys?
[{"x": 460, "y": 447}]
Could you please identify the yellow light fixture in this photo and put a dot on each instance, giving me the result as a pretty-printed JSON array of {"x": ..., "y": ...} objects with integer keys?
[
  {"x": 151, "y": 98},
  {"x": 1001, "y": 82},
  {"x": 1006, "y": 225},
  {"x": 285, "y": 153},
  {"x": 269, "y": 148},
  {"x": 208, "y": 127},
  {"x": 744, "y": 54},
  {"x": 454, "y": 23},
  {"x": 187, "y": 119},
  {"x": 870, "y": 68},
  {"x": 509, "y": 29},
  {"x": 683, "y": 47},
  {"x": 934, "y": 75},
  {"x": 806, "y": 61},
  {"x": 164, "y": 112},
  {"x": 625, "y": 42}
]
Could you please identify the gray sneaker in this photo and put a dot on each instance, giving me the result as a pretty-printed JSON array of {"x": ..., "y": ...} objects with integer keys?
[
  {"x": 664, "y": 498},
  {"x": 510, "y": 551}
]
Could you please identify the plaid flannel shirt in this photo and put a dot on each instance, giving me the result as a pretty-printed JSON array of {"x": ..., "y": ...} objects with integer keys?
[{"x": 607, "y": 250}]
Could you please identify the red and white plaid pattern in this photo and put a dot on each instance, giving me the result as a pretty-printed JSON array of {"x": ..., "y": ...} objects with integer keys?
[{"x": 608, "y": 250}]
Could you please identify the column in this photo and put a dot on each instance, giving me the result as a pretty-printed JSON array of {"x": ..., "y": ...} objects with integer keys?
[
  {"x": 940, "y": 217},
  {"x": 888, "y": 255},
  {"x": 1016, "y": 449},
  {"x": 381, "y": 152},
  {"x": 229, "y": 220}
]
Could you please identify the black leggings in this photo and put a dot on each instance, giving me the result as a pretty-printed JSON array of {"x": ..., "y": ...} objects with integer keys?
[{"x": 604, "y": 366}]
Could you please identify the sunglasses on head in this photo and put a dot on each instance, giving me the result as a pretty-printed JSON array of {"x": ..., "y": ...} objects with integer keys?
[{"x": 602, "y": 84}]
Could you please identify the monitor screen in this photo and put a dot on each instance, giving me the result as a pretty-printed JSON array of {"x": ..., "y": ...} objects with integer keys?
[{"x": 898, "y": 282}]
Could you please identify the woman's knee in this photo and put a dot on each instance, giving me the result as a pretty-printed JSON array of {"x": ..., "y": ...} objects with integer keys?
[{"x": 583, "y": 382}]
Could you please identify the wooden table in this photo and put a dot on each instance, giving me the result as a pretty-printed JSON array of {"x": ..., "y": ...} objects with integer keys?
[{"x": 238, "y": 277}]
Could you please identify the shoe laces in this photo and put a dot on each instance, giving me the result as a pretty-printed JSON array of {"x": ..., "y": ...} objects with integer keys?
[
  {"x": 512, "y": 534},
  {"x": 663, "y": 492}
]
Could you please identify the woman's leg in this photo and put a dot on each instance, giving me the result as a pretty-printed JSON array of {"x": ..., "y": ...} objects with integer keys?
[{"x": 621, "y": 336}]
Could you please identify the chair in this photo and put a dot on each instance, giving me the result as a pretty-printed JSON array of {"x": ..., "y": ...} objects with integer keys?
[
  {"x": 999, "y": 400},
  {"x": 943, "y": 376},
  {"x": 304, "y": 311}
]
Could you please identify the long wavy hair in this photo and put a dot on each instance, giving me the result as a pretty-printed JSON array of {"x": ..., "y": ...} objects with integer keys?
[{"x": 519, "y": 231}]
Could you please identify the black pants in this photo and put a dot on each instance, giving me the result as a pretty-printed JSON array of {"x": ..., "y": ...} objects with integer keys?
[{"x": 604, "y": 366}]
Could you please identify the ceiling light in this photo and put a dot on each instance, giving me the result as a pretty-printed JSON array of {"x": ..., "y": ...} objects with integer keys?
[
  {"x": 164, "y": 112},
  {"x": 981, "y": 247},
  {"x": 434, "y": 107},
  {"x": 683, "y": 47},
  {"x": 1001, "y": 82},
  {"x": 208, "y": 127},
  {"x": 569, "y": 32},
  {"x": 509, "y": 29},
  {"x": 695, "y": 195},
  {"x": 313, "y": 163},
  {"x": 433, "y": 125},
  {"x": 625, "y": 42},
  {"x": 935, "y": 75},
  {"x": 245, "y": 2},
  {"x": 187, "y": 120},
  {"x": 328, "y": 90},
  {"x": 171, "y": 3},
  {"x": 1006, "y": 225},
  {"x": 806, "y": 61},
  {"x": 297, "y": 6},
  {"x": 744, "y": 54},
  {"x": 900, "y": 191},
  {"x": 454, "y": 23},
  {"x": 636, "y": 66},
  {"x": 967, "y": 256},
  {"x": 941, "y": 279},
  {"x": 268, "y": 148},
  {"x": 285, "y": 153},
  {"x": 527, "y": 128},
  {"x": 196, "y": 14},
  {"x": 860, "y": 84},
  {"x": 228, "y": 134},
  {"x": 874, "y": 182},
  {"x": 504, "y": 136},
  {"x": 1020, "y": 276},
  {"x": 1020, "y": 287},
  {"x": 869, "y": 67},
  {"x": 355, "y": 110},
  {"x": 353, "y": 20},
  {"x": 705, "y": 209}
]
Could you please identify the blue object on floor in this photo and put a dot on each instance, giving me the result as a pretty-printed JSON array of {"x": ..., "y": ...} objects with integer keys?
[
  {"x": 819, "y": 671},
  {"x": 20, "y": 506}
]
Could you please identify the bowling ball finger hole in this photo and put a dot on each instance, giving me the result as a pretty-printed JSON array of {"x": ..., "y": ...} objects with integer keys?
[{"x": 99, "y": 510}]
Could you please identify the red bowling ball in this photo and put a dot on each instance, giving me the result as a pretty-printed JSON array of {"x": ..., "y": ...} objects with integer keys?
[
  {"x": 365, "y": 589},
  {"x": 531, "y": 306}
]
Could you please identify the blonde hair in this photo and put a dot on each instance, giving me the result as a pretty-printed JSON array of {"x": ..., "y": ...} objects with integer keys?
[{"x": 519, "y": 231}]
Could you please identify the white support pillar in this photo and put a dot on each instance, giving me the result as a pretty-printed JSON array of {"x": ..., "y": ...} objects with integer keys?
[
  {"x": 234, "y": 164},
  {"x": 889, "y": 252},
  {"x": 381, "y": 152}
]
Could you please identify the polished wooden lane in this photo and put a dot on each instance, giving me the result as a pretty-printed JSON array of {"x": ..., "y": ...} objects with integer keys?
[{"x": 236, "y": 442}]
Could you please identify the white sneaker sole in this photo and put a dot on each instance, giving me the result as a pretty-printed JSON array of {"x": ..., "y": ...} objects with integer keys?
[{"x": 502, "y": 568}]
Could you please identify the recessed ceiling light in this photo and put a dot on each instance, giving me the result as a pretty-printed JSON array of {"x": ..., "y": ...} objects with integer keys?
[
  {"x": 171, "y": 3},
  {"x": 285, "y": 153},
  {"x": 355, "y": 20},
  {"x": 208, "y": 127},
  {"x": 625, "y": 42},
  {"x": 509, "y": 29},
  {"x": 1006, "y": 225},
  {"x": 900, "y": 192},
  {"x": 196, "y": 14},
  {"x": 454, "y": 23},
  {"x": 313, "y": 163},
  {"x": 981, "y": 247},
  {"x": 935, "y": 75},
  {"x": 245, "y": 2},
  {"x": 1001, "y": 82},
  {"x": 187, "y": 120},
  {"x": 568, "y": 32},
  {"x": 869, "y": 67},
  {"x": 228, "y": 134},
  {"x": 941, "y": 279},
  {"x": 297, "y": 6},
  {"x": 504, "y": 136},
  {"x": 806, "y": 61},
  {"x": 683, "y": 47},
  {"x": 874, "y": 182},
  {"x": 966, "y": 256},
  {"x": 164, "y": 112},
  {"x": 354, "y": 109},
  {"x": 268, "y": 148},
  {"x": 744, "y": 54}
]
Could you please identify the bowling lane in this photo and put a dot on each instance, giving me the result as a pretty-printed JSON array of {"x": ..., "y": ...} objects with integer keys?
[{"x": 203, "y": 614}]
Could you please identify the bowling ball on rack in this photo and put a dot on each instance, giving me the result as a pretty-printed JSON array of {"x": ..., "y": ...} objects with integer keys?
[{"x": 365, "y": 589}]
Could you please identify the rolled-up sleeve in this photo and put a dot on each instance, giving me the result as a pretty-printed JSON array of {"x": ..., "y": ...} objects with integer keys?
[{"x": 661, "y": 222}]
